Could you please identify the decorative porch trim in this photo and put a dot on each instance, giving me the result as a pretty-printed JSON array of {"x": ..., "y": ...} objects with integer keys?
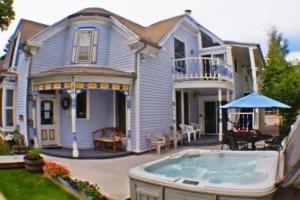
[{"x": 81, "y": 85}]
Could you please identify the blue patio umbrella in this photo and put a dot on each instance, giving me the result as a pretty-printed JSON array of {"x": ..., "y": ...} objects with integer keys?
[{"x": 255, "y": 100}]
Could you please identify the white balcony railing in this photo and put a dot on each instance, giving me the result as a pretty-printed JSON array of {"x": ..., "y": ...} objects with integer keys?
[{"x": 201, "y": 68}]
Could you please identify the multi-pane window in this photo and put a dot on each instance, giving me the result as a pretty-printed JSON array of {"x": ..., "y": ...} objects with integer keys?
[
  {"x": 81, "y": 109},
  {"x": 9, "y": 107},
  {"x": 179, "y": 51},
  {"x": 84, "y": 45}
]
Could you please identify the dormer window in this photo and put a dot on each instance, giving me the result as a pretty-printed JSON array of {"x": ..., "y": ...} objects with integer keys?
[{"x": 85, "y": 46}]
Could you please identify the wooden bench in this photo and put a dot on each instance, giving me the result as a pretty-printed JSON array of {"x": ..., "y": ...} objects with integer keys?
[{"x": 109, "y": 136}]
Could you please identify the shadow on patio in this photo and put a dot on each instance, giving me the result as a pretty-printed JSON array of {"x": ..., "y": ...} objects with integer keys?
[{"x": 84, "y": 153}]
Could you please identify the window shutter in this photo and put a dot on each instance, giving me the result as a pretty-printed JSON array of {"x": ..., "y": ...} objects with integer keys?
[
  {"x": 74, "y": 48},
  {"x": 94, "y": 47}
]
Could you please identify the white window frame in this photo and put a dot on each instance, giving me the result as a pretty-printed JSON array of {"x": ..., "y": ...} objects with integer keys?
[
  {"x": 5, "y": 108},
  {"x": 90, "y": 47}
]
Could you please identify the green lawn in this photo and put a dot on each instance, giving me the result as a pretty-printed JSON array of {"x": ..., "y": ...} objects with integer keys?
[
  {"x": 19, "y": 184},
  {"x": 4, "y": 150}
]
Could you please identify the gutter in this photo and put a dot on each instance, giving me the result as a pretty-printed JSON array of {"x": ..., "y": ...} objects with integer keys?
[
  {"x": 27, "y": 95},
  {"x": 136, "y": 57}
]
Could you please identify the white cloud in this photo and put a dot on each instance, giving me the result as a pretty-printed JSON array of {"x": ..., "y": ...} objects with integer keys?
[
  {"x": 242, "y": 20},
  {"x": 293, "y": 56}
]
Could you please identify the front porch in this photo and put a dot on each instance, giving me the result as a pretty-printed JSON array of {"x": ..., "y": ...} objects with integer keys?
[
  {"x": 70, "y": 103},
  {"x": 202, "y": 107}
]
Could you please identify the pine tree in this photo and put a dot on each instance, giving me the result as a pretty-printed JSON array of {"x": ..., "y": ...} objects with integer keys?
[{"x": 280, "y": 80}]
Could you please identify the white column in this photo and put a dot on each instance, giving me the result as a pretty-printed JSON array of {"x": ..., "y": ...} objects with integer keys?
[
  {"x": 182, "y": 107},
  {"x": 128, "y": 122},
  {"x": 220, "y": 114},
  {"x": 174, "y": 109},
  {"x": 34, "y": 118},
  {"x": 230, "y": 63},
  {"x": 75, "y": 152},
  {"x": 253, "y": 69},
  {"x": 228, "y": 113}
]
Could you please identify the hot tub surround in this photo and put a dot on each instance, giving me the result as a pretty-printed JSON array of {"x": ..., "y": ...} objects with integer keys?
[{"x": 193, "y": 174}]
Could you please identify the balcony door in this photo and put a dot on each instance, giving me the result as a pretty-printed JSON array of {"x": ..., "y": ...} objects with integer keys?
[{"x": 210, "y": 109}]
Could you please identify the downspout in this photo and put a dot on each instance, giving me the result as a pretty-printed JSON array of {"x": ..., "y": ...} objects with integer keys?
[
  {"x": 27, "y": 90},
  {"x": 136, "y": 57},
  {"x": 137, "y": 94}
]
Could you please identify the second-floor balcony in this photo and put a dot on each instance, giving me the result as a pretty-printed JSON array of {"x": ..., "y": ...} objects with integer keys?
[{"x": 202, "y": 69}]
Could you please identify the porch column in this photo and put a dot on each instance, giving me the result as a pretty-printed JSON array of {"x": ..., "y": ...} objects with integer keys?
[
  {"x": 253, "y": 69},
  {"x": 128, "y": 122},
  {"x": 174, "y": 109},
  {"x": 182, "y": 107},
  {"x": 34, "y": 118},
  {"x": 228, "y": 113},
  {"x": 220, "y": 114},
  {"x": 75, "y": 152}
]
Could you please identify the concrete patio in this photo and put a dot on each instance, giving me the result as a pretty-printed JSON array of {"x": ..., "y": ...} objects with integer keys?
[{"x": 111, "y": 174}]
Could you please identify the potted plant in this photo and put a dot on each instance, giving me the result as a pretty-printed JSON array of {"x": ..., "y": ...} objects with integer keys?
[
  {"x": 19, "y": 143},
  {"x": 33, "y": 161}
]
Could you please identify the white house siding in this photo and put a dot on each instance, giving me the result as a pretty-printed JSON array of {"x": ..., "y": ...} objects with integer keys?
[
  {"x": 191, "y": 47},
  {"x": 21, "y": 93},
  {"x": 101, "y": 115},
  {"x": 50, "y": 55},
  {"x": 121, "y": 57},
  {"x": 155, "y": 95}
]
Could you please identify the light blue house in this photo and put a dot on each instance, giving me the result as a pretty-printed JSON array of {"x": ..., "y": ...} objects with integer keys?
[{"x": 96, "y": 69}]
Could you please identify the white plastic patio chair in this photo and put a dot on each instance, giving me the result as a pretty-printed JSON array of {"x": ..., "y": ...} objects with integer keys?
[
  {"x": 188, "y": 130},
  {"x": 173, "y": 137},
  {"x": 156, "y": 142},
  {"x": 198, "y": 128}
]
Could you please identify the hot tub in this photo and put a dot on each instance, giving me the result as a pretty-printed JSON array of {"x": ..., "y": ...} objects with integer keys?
[{"x": 207, "y": 175}]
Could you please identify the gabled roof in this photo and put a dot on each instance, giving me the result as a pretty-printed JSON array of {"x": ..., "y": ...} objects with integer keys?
[
  {"x": 30, "y": 28},
  {"x": 151, "y": 34}
]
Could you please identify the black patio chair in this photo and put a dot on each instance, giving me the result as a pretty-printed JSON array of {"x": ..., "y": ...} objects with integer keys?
[{"x": 230, "y": 140}]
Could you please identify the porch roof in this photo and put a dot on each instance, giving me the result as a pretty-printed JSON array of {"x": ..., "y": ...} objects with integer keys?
[{"x": 83, "y": 71}]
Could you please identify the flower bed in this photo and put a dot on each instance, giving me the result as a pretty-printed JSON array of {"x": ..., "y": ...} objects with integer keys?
[{"x": 81, "y": 189}]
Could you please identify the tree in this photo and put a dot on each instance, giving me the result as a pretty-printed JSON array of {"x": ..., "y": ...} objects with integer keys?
[
  {"x": 7, "y": 14},
  {"x": 281, "y": 81}
]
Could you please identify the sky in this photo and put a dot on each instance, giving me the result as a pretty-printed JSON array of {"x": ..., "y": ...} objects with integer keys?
[{"x": 238, "y": 20}]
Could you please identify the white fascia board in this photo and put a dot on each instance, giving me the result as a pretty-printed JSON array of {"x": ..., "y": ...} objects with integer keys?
[
  {"x": 206, "y": 31},
  {"x": 166, "y": 36},
  {"x": 40, "y": 35},
  {"x": 64, "y": 23},
  {"x": 126, "y": 30}
]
